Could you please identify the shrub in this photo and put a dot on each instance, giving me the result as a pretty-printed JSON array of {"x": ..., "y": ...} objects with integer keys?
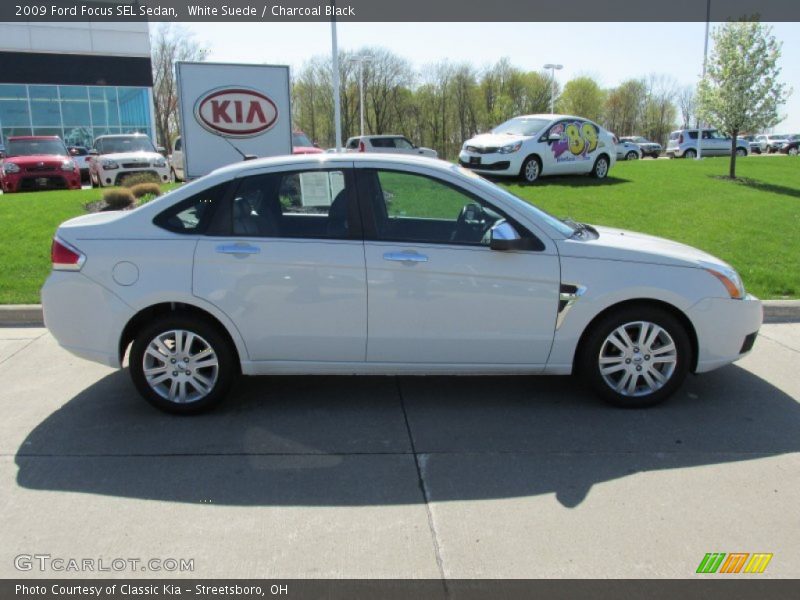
[
  {"x": 119, "y": 199},
  {"x": 137, "y": 178},
  {"x": 145, "y": 189}
]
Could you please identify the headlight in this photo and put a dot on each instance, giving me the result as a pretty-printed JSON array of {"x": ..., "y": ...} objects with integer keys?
[
  {"x": 109, "y": 164},
  {"x": 67, "y": 165},
  {"x": 160, "y": 162},
  {"x": 729, "y": 278},
  {"x": 510, "y": 148},
  {"x": 10, "y": 168}
]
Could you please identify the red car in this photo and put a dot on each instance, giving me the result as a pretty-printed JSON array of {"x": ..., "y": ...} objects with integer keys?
[
  {"x": 302, "y": 145},
  {"x": 36, "y": 163}
]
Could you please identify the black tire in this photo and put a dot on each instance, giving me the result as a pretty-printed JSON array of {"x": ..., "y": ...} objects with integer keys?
[
  {"x": 690, "y": 153},
  {"x": 741, "y": 152},
  {"x": 531, "y": 169},
  {"x": 206, "y": 332},
  {"x": 631, "y": 156},
  {"x": 594, "y": 342},
  {"x": 601, "y": 167}
]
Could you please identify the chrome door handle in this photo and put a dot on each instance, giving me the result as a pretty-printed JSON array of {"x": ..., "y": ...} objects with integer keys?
[
  {"x": 405, "y": 257},
  {"x": 238, "y": 249}
]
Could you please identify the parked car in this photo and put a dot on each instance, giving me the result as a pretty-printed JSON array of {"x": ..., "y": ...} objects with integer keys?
[
  {"x": 754, "y": 146},
  {"x": 302, "y": 145},
  {"x": 648, "y": 148},
  {"x": 791, "y": 145},
  {"x": 534, "y": 145},
  {"x": 80, "y": 154},
  {"x": 37, "y": 162},
  {"x": 115, "y": 157},
  {"x": 627, "y": 150},
  {"x": 683, "y": 144},
  {"x": 271, "y": 263},
  {"x": 771, "y": 143},
  {"x": 177, "y": 167},
  {"x": 387, "y": 144}
]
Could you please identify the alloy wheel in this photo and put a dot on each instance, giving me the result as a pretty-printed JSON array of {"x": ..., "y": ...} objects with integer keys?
[{"x": 180, "y": 366}]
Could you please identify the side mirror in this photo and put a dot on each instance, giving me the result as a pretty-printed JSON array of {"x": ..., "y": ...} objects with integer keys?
[
  {"x": 503, "y": 236},
  {"x": 554, "y": 137}
]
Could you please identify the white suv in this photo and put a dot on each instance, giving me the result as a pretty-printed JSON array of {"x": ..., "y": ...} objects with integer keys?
[
  {"x": 534, "y": 145},
  {"x": 114, "y": 157},
  {"x": 387, "y": 144}
]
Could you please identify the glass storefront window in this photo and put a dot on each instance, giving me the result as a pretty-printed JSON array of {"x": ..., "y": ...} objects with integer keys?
[
  {"x": 45, "y": 107},
  {"x": 78, "y": 114}
]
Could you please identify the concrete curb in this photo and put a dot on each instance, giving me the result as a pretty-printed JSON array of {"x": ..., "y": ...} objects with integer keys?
[{"x": 30, "y": 315}]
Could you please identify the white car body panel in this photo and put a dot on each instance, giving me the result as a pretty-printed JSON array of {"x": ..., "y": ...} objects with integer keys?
[{"x": 335, "y": 306}]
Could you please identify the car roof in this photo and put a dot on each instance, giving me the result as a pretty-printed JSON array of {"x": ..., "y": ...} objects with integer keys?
[
  {"x": 377, "y": 136},
  {"x": 328, "y": 158},
  {"x": 121, "y": 135}
]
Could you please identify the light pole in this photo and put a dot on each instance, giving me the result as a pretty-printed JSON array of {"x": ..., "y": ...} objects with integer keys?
[
  {"x": 337, "y": 108},
  {"x": 703, "y": 78},
  {"x": 553, "y": 68},
  {"x": 361, "y": 60}
]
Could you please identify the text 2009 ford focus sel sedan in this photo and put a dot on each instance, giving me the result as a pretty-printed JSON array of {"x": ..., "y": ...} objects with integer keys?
[{"x": 343, "y": 264}]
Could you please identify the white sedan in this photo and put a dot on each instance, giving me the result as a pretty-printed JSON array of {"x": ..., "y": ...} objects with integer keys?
[
  {"x": 372, "y": 264},
  {"x": 534, "y": 145},
  {"x": 627, "y": 150}
]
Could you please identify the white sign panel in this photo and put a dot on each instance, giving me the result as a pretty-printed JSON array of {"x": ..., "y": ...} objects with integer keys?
[{"x": 228, "y": 111}]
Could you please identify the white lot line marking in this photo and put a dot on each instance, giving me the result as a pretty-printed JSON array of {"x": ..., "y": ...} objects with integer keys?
[{"x": 13, "y": 354}]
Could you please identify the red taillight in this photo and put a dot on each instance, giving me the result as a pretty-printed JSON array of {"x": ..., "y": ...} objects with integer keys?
[
  {"x": 680, "y": 139},
  {"x": 65, "y": 257},
  {"x": 362, "y": 147}
]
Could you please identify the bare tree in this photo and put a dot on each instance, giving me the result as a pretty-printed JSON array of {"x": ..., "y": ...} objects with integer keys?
[
  {"x": 170, "y": 44},
  {"x": 686, "y": 104}
]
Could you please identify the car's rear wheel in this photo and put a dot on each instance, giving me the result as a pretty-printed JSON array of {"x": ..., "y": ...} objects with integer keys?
[
  {"x": 792, "y": 152},
  {"x": 182, "y": 364},
  {"x": 631, "y": 156},
  {"x": 600, "y": 168},
  {"x": 531, "y": 169},
  {"x": 690, "y": 153},
  {"x": 636, "y": 357},
  {"x": 741, "y": 152}
]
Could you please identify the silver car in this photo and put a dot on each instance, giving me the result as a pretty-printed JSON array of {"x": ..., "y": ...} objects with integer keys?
[{"x": 683, "y": 144}]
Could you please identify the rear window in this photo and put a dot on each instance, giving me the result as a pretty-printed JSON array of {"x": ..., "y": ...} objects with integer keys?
[
  {"x": 352, "y": 143},
  {"x": 194, "y": 214},
  {"x": 382, "y": 142}
]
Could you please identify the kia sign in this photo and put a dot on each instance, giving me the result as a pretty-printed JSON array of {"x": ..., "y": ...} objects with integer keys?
[
  {"x": 236, "y": 112},
  {"x": 228, "y": 111}
]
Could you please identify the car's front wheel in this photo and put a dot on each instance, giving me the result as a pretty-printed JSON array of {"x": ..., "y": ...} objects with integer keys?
[
  {"x": 531, "y": 169},
  {"x": 182, "y": 364},
  {"x": 636, "y": 356},
  {"x": 690, "y": 153},
  {"x": 600, "y": 169}
]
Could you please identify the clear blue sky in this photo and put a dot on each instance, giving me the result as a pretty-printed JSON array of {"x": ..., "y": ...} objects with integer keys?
[{"x": 610, "y": 52}]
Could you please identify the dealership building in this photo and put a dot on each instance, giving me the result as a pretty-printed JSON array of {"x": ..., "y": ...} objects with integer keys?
[{"x": 75, "y": 80}]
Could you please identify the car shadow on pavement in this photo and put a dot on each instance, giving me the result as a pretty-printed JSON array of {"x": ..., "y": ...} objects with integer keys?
[{"x": 351, "y": 441}]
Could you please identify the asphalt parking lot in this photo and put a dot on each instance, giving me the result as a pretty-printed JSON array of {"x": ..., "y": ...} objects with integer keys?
[{"x": 400, "y": 477}]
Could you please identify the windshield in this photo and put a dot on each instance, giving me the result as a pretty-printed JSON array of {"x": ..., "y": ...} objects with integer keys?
[
  {"x": 300, "y": 139},
  {"x": 522, "y": 126},
  {"x": 554, "y": 222},
  {"x": 124, "y": 144},
  {"x": 33, "y": 147}
]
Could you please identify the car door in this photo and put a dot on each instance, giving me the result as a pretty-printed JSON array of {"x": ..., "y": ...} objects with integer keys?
[
  {"x": 286, "y": 264},
  {"x": 574, "y": 151},
  {"x": 438, "y": 295}
]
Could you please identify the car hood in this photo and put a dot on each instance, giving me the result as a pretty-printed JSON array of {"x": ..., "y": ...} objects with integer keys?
[
  {"x": 623, "y": 245},
  {"x": 495, "y": 140},
  {"x": 34, "y": 159},
  {"x": 134, "y": 156}
]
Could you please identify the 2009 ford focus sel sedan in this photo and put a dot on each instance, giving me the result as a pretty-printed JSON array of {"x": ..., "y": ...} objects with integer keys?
[{"x": 345, "y": 264}]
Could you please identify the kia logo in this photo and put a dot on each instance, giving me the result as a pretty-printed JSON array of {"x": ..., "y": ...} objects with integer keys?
[{"x": 236, "y": 112}]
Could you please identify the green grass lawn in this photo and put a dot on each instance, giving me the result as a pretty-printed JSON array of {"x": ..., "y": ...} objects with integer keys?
[{"x": 753, "y": 224}]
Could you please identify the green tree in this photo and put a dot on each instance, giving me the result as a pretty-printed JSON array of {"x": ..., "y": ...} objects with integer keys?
[
  {"x": 582, "y": 97},
  {"x": 741, "y": 91}
]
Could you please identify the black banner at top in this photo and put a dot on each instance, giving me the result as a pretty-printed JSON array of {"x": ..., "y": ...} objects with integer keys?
[{"x": 398, "y": 10}]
